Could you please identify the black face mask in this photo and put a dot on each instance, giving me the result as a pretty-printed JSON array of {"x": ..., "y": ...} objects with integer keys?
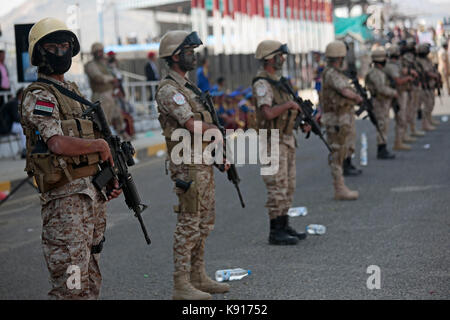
[
  {"x": 59, "y": 64},
  {"x": 187, "y": 62}
]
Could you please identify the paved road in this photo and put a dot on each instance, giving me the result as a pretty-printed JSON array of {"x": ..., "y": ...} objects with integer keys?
[{"x": 400, "y": 223}]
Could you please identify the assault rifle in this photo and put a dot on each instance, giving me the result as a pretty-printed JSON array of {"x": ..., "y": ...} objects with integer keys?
[
  {"x": 122, "y": 153},
  {"x": 306, "y": 116},
  {"x": 392, "y": 84},
  {"x": 232, "y": 174},
  {"x": 366, "y": 104}
]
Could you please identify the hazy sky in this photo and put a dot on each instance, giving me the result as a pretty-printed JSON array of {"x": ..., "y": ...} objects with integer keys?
[{"x": 9, "y": 5}]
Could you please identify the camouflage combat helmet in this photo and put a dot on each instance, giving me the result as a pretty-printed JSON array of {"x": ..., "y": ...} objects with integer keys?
[
  {"x": 268, "y": 49},
  {"x": 378, "y": 55},
  {"x": 44, "y": 28},
  {"x": 393, "y": 50},
  {"x": 174, "y": 41},
  {"x": 336, "y": 49},
  {"x": 96, "y": 46}
]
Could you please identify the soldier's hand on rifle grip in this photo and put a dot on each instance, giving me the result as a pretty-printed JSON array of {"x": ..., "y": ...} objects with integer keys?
[
  {"x": 105, "y": 152},
  {"x": 114, "y": 191},
  {"x": 359, "y": 99},
  {"x": 294, "y": 106}
]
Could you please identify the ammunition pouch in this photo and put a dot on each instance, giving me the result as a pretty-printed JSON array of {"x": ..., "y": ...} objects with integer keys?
[
  {"x": 84, "y": 129},
  {"x": 53, "y": 171}
]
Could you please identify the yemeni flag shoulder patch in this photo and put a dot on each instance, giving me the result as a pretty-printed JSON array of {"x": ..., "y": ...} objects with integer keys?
[{"x": 44, "y": 108}]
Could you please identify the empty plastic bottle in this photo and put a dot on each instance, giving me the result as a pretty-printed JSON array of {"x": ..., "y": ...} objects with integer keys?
[
  {"x": 363, "y": 155},
  {"x": 298, "y": 211},
  {"x": 231, "y": 274},
  {"x": 316, "y": 229}
]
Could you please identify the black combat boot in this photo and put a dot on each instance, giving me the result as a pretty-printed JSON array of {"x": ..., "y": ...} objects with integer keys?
[
  {"x": 349, "y": 169},
  {"x": 291, "y": 231},
  {"x": 383, "y": 153},
  {"x": 278, "y": 235}
]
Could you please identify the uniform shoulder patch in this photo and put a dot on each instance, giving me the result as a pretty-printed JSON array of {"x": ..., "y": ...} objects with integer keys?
[
  {"x": 179, "y": 99},
  {"x": 261, "y": 90},
  {"x": 43, "y": 108}
]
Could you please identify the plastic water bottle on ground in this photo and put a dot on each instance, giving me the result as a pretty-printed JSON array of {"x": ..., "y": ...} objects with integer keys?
[
  {"x": 231, "y": 274},
  {"x": 316, "y": 229},
  {"x": 298, "y": 211},
  {"x": 363, "y": 155}
]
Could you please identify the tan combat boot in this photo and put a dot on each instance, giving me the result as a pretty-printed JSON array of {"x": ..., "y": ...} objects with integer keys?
[
  {"x": 400, "y": 146},
  {"x": 201, "y": 281},
  {"x": 418, "y": 133},
  {"x": 426, "y": 126},
  {"x": 432, "y": 121},
  {"x": 408, "y": 139},
  {"x": 341, "y": 192},
  {"x": 184, "y": 290}
]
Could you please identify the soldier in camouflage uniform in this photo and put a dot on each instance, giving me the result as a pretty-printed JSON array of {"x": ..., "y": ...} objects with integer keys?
[
  {"x": 382, "y": 94},
  {"x": 431, "y": 77},
  {"x": 103, "y": 83},
  {"x": 338, "y": 100},
  {"x": 444, "y": 64},
  {"x": 277, "y": 110},
  {"x": 409, "y": 62},
  {"x": 63, "y": 157},
  {"x": 395, "y": 70},
  {"x": 179, "y": 107}
]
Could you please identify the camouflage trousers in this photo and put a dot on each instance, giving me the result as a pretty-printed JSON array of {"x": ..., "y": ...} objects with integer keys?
[
  {"x": 351, "y": 144},
  {"x": 281, "y": 185},
  {"x": 445, "y": 81},
  {"x": 400, "y": 116},
  {"x": 427, "y": 99},
  {"x": 111, "y": 109},
  {"x": 341, "y": 140},
  {"x": 196, "y": 215},
  {"x": 71, "y": 225},
  {"x": 413, "y": 105},
  {"x": 381, "y": 111}
]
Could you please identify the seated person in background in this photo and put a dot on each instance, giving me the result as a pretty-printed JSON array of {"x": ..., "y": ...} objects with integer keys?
[
  {"x": 10, "y": 120},
  {"x": 247, "y": 110},
  {"x": 218, "y": 99},
  {"x": 235, "y": 97},
  {"x": 203, "y": 75}
]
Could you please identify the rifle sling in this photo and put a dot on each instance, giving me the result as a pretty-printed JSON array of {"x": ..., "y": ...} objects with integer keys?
[{"x": 67, "y": 92}]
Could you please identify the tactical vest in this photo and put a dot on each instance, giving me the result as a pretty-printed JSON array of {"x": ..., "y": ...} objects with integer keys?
[
  {"x": 372, "y": 87},
  {"x": 397, "y": 65},
  {"x": 332, "y": 100},
  {"x": 285, "y": 121},
  {"x": 170, "y": 124},
  {"x": 50, "y": 170}
]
